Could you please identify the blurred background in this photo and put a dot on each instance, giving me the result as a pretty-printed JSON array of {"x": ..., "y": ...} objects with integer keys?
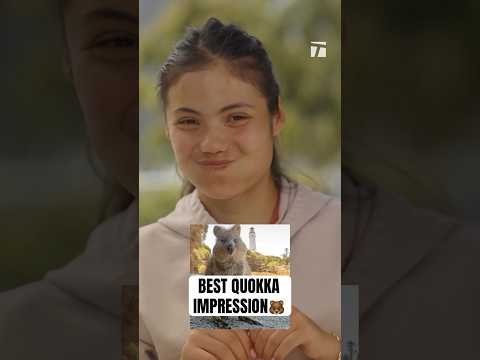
[
  {"x": 410, "y": 101},
  {"x": 310, "y": 87},
  {"x": 50, "y": 194},
  {"x": 410, "y": 127}
]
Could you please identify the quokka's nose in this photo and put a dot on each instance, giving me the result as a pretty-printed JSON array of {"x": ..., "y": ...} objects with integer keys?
[{"x": 230, "y": 249}]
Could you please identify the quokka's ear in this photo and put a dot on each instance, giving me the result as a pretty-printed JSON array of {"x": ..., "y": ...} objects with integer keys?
[
  {"x": 272, "y": 302},
  {"x": 281, "y": 302},
  {"x": 235, "y": 230},
  {"x": 217, "y": 230}
]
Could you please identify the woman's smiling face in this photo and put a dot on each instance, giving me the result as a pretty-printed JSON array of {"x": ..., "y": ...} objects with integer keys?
[{"x": 221, "y": 131}]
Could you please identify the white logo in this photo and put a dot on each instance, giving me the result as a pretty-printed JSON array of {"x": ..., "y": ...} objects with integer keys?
[{"x": 318, "y": 49}]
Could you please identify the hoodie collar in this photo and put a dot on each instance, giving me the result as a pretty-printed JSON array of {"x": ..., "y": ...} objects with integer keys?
[
  {"x": 298, "y": 205},
  {"x": 97, "y": 276}
]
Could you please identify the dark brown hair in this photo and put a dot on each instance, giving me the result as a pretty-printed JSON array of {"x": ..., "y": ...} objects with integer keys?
[{"x": 243, "y": 54}]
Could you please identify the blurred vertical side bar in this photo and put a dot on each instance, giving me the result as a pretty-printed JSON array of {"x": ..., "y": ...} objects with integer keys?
[
  {"x": 350, "y": 345},
  {"x": 410, "y": 175},
  {"x": 69, "y": 179}
]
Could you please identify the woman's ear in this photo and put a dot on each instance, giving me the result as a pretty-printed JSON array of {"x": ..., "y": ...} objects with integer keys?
[{"x": 278, "y": 119}]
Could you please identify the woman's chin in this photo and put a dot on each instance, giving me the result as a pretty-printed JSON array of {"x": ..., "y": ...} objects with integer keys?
[{"x": 220, "y": 192}]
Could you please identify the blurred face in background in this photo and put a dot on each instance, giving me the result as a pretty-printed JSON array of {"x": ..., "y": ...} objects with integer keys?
[
  {"x": 102, "y": 62},
  {"x": 221, "y": 131}
]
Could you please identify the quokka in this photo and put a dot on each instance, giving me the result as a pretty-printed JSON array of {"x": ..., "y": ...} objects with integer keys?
[{"x": 229, "y": 255}]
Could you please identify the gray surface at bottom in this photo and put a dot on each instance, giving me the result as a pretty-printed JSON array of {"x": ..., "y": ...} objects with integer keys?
[{"x": 274, "y": 322}]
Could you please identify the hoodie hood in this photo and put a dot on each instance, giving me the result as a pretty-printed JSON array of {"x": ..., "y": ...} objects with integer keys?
[
  {"x": 97, "y": 276},
  {"x": 298, "y": 205}
]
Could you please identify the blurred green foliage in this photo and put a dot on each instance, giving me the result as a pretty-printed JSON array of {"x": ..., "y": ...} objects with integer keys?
[
  {"x": 156, "y": 204},
  {"x": 267, "y": 264},
  {"x": 199, "y": 259}
]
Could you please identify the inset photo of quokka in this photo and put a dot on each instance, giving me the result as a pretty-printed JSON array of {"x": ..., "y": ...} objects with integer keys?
[
  {"x": 246, "y": 249},
  {"x": 231, "y": 250}
]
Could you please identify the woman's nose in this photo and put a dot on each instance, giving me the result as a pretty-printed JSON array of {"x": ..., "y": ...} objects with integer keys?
[{"x": 214, "y": 140}]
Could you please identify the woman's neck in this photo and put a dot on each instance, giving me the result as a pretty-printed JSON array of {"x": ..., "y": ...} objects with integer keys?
[{"x": 255, "y": 206}]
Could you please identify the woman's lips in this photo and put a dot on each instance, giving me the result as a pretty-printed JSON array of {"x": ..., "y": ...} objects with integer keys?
[{"x": 215, "y": 164}]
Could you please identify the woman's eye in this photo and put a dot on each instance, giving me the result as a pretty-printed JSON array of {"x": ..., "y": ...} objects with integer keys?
[
  {"x": 238, "y": 119},
  {"x": 187, "y": 122}
]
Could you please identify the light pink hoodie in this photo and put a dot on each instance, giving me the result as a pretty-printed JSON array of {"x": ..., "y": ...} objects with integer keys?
[{"x": 314, "y": 220}]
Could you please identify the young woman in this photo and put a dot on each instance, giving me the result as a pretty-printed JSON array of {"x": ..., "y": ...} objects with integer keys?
[{"x": 223, "y": 115}]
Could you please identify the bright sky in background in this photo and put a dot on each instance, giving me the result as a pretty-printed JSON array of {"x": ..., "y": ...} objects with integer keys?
[{"x": 271, "y": 239}]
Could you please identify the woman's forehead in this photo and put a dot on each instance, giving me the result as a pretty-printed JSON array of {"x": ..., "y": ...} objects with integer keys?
[{"x": 212, "y": 88}]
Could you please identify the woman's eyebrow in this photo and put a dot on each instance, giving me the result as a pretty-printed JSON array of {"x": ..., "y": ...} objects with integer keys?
[
  {"x": 223, "y": 109},
  {"x": 236, "y": 105},
  {"x": 107, "y": 13},
  {"x": 187, "y": 110}
]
